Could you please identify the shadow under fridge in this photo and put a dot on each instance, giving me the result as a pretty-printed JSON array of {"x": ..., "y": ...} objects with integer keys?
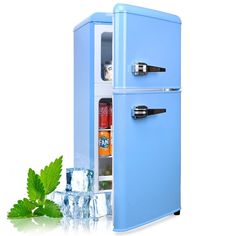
[{"x": 127, "y": 110}]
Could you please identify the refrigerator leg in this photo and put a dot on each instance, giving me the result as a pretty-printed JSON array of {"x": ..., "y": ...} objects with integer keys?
[{"x": 177, "y": 213}]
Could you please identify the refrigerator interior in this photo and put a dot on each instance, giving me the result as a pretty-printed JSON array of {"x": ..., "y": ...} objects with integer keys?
[
  {"x": 103, "y": 157},
  {"x": 104, "y": 146},
  {"x": 106, "y": 50}
]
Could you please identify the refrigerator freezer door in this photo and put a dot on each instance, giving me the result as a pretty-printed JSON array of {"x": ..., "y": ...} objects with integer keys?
[
  {"x": 146, "y": 158},
  {"x": 146, "y": 48}
]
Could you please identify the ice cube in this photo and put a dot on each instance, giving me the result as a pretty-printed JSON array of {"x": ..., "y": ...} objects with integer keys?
[
  {"x": 68, "y": 180},
  {"x": 109, "y": 202},
  {"x": 77, "y": 205},
  {"x": 79, "y": 180},
  {"x": 100, "y": 205},
  {"x": 68, "y": 205},
  {"x": 83, "y": 205}
]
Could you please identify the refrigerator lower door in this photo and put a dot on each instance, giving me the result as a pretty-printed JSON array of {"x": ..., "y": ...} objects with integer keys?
[{"x": 146, "y": 157}]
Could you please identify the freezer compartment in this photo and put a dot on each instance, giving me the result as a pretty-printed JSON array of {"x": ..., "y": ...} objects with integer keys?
[
  {"x": 106, "y": 56},
  {"x": 103, "y": 54},
  {"x": 146, "y": 157}
]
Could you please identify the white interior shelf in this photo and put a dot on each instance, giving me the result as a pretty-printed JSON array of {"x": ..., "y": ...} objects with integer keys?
[{"x": 105, "y": 178}]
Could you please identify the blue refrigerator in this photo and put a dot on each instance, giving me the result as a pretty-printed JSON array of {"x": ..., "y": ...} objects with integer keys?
[{"x": 141, "y": 48}]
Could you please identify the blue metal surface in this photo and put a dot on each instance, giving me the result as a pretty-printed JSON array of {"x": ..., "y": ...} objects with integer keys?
[
  {"x": 83, "y": 92},
  {"x": 153, "y": 38},
  {"x": 146, "y": 159},
  {"x": 146, "y": 151},
  {"x": 125, "y": 8},
  {"x": 99, "y": 17}
]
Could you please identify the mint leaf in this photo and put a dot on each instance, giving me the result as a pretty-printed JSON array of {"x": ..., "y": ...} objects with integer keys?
[
  {"x": 35, "y": 187},
  {"x": 51, "y": 209},
  {"x": 38, "y": 187},
  {"x": 23, "y": 209},
  {"x": 39, "y": 211},
  {"x": 51, "y": 174}
]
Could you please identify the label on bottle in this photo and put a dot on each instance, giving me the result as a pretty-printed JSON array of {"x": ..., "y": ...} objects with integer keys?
[{"x": 104, "y": 142}]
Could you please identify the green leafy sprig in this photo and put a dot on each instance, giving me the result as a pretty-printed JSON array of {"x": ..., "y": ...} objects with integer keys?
[{"x": 38, "y": 187}]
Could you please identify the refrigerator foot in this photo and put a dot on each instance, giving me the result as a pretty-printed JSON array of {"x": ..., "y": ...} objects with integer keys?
[{"x": 177, "y": 213}]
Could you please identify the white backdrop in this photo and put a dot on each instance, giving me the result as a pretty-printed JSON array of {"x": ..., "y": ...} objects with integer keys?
[{"x": 36, "y": 104}]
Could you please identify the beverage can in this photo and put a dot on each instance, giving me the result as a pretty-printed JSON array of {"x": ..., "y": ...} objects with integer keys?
[
  {"x": 104, "y": 143},
  {"x": 110, "y": 115},
  {"x": 103, "y": 115}
]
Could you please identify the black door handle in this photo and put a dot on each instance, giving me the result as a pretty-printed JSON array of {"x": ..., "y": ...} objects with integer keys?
[
  {"x": 142, "y": 111},
  {"x": 142, "y": 68}
]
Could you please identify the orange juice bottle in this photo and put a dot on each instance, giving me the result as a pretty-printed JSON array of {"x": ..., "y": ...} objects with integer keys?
[
  {"x": 104, "y": 143},
  {"x": 111, "y": 142}
]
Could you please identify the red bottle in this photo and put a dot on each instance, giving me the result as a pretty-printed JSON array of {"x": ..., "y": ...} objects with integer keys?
[
  {"x": 103, "y": 115},
  {"x": 110, "y": 115}
]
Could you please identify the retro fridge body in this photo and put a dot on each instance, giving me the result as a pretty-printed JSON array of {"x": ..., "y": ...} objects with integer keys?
[{"x": 141, "y": 165}]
